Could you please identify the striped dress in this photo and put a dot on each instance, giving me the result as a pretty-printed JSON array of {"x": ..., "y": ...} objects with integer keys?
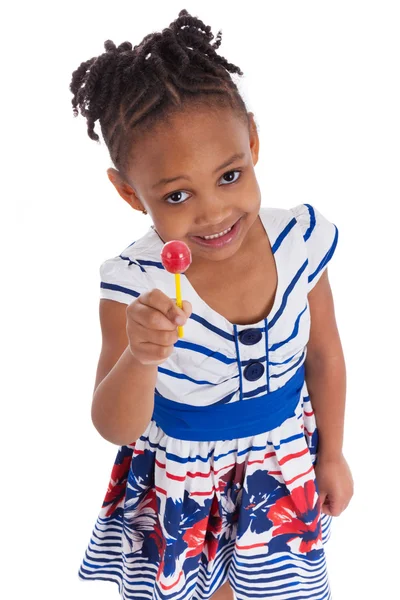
[{"x": 221, "y": 485}]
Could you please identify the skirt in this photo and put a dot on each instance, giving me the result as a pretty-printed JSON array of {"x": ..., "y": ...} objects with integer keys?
[{"x": 180, "y": 518}]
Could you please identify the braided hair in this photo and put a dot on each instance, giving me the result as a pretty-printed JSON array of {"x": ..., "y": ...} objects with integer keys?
[{"x": 126, "y": 88}]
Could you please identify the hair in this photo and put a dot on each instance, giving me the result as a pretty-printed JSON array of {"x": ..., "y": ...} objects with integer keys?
[{"x": 129, "y": 88}]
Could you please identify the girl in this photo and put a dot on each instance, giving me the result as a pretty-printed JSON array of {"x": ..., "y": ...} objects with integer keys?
[{"x": 216, "y": 486}]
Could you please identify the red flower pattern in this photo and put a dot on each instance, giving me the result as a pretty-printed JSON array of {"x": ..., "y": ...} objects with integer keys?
[{"x": 299, "y": 516}]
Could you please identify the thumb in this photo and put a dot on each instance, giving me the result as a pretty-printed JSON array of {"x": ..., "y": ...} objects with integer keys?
[
  {"x": 175, "y": 314},
  {"x": 184, "y": 312},
  {"x": 324, "y": 504},
  {"x": 187, "y": 308}
]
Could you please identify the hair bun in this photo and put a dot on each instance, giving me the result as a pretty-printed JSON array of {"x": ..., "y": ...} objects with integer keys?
[
  {"x": 128, "y": 86},
  {"x": 111, "y": 48},
  {"x": 188, "y": 27}
]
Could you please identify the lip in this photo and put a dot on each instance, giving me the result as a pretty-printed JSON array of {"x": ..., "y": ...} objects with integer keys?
[{"x": 220, "y": 241}]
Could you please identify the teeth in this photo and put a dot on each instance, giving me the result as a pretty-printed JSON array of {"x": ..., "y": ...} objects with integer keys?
[{"x": 217, "y": 235}]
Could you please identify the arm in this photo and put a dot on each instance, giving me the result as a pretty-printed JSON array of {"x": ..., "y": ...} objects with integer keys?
[
  {"x": 326, "y": 371},
  {"x": 123, "y": 396}
]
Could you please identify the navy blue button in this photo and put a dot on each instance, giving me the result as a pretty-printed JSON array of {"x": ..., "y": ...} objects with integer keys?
[
  {"x": 253, "y": 371},
  {"x": 250, "y": 336}
]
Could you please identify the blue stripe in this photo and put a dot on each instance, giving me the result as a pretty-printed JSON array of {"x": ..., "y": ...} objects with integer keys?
[
  {"x": 302, "y": 594},
  {"x": 227, "y": 398},
  {"x": 326, "y": 258},
  {"x": 292, "y": 335},
  {"x": 267, "y": 352},
  {"x": 238, "y": 361},
  {"x": 286, "y": 294},
  {"x": 244, "y": 363},
  {"x": 262, "y": 388},
  {"x": 223, "y": 400},
  {"x": 267, "y": 579},
  {"x": 282, "y": 235},
  {"x": 284, "y": 559},
  {"x": 186, "y": 377},
  {"x": 213, "y": 328},
  {"x": 278, "y": 364},
  {"x": 229, "y": 421},
  {"x": 132, "y": 262},
  {"x": 206, "y": 351},
  {"x": 140, "y": 262},
  {"x": 192, "y": 459},
  {"x": 291, "y": 368},
  {"x": 312, "y": 222},
  {"x": 118, "y": 288},
  {"x": 152, "y": 263},
  {"x": 297, "y": 436}
]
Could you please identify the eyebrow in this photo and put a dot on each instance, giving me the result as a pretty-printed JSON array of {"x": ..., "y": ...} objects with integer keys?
[{"x": 230, "y": 160}]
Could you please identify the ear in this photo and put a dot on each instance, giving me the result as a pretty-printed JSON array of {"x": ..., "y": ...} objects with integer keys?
[
  {"x": 254, "y": 140},
  {"x": 124, "y": 189}
]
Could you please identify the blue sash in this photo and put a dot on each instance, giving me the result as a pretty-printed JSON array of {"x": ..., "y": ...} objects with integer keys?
[{"x": 238, "y": 419}]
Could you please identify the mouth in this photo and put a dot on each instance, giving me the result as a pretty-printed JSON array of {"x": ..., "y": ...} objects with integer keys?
[{"x": 222, "y": 238}]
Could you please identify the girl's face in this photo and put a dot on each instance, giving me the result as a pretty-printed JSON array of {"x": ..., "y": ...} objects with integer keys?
[{"x": 211, "y": 157}]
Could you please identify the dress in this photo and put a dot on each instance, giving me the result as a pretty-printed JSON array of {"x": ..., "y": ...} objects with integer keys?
[{"x": 181, "y": 517}]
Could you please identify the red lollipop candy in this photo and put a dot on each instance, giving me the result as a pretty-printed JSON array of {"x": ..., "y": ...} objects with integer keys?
[{"x": 176, "y": 258}]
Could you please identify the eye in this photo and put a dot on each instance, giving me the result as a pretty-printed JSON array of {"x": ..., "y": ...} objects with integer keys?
[
  {"x": 176, "y": 197},
  {"x": 171, "y": 200},
  {"x": 229, "y": 173}
]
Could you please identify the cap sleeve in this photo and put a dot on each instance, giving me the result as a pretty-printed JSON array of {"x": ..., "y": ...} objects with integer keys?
[
  {"x": 122, "y": 279},
  {"x": 320, "y": 236}
]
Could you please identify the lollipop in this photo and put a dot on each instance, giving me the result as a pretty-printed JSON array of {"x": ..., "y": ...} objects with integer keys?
[{"x": 176, "y": 258}]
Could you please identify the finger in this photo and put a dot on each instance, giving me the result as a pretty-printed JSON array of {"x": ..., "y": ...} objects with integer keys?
[
  {"x": 156, "y": 299},
  {"x": 153, "y": 354},
  {"x": 155, "y": 336},
  {"x": 322, "y": 498},
  {"x": 154, "y": 319},
  {"x": 335, "y": 508},
  {"x": 150, "y": 318}
]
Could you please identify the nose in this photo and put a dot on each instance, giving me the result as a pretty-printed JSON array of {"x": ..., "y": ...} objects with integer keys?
[{"x": 212, "y": 211}]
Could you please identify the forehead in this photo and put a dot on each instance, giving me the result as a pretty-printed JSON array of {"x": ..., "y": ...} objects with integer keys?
[{"x": 191, "y": 142}]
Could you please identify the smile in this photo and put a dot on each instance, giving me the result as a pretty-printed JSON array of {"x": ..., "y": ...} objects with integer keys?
[
  {"x": 219, "y": 240},
  {"x": 216, "y": 235}
]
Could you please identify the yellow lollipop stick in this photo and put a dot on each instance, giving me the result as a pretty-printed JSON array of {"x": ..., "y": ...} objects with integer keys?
[
  {"x": 178, "y": 299},
  {"x": 176, "y": 258}
]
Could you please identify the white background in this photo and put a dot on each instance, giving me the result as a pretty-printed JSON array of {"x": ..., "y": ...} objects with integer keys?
[{"x": 323, "y": 81}]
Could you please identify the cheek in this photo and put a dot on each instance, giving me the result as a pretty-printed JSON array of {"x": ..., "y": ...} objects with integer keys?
[
  {"x": 251, "y": 186},
  {"x": 250, "y": 197},
  {"x": 255, "y": 195},
  {"x": 171, "y": 224}
]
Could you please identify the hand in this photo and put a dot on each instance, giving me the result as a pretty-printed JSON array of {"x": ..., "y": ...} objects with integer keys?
[
  {"x": 335, "y": 483},
  {"x": 151, "y": 325}
]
